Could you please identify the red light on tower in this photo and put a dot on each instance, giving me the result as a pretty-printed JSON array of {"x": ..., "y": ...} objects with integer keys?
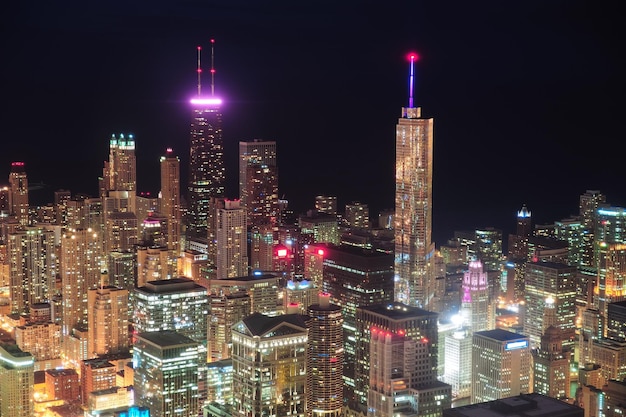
[
  {"x": 281, "y": 253},
  {"x": 320, "y": 252},
  {"x": 412, "y": 56}
]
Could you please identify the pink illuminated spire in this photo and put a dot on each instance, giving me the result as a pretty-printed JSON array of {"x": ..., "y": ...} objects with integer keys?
[
  {"x": 412, "y": 58},
  {"x": 199, "y": 72}
]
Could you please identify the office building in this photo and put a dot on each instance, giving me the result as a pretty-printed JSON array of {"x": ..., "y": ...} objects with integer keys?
[
  {"x": 616, "y": 320},
  {"x": 207, "y": 171},
  {"x": 220, "y": 382},
  {"x": 262, "y": 248},
  {"x": 32, "y": 267},
  {"x": 300, "y": 294},
  {"x": 153, "y": 264},
  {"x": 319, "y": 227},
  {"x": 324, "y": 359},
  {"x": 81, "y": 266},
  {"x": 611, "y": 356},
  {"x": 414, "y": 247},
  {"x": 18, "y": 193},
  {"x": 170, "y": 200},
  {"x": 120, "y": 171},
  {"x": 411, "y": 322},
  {"x": 518, "y": 241},
  {"x": 166, "y": 374},
  {"x": 457, "y": 362},
  {"x": 270, "y": 365},
  {"x": 258, "y": 182},
  {"x": 477, "y": 308},
  {"x": 263, "y": 289},
  {"x": 501, "y": 365},
  {"x": 231, "y": 238},
  {"x": 96, "y": 374},
  {"x": 107, "y": 320},
  {"x": 225, "y": 309},
  {"x": 533, "y": 404},
  {"x": 355, "y": 277},
  {"x": 357, "y": 215},
  {"x": 326, "y": 204},
  {"x": 611, "y": 285},
  {"x": 42, "y": 341},
  {"x": 397, "y": 385},
  {"x": 557, "y": 282},
  {"x": 589, "y": 203},
  {"x": 615, "y": 398},
  {"x": 62, "y": 384},
  {"x": 551, "y": 366},
  {"x": 16, "y": 382}
]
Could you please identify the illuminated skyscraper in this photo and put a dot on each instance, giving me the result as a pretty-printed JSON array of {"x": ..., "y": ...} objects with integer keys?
[
  {"x": 33, "y": 267},
  {"x": 170, "y": 199},
  {"x": 80, "y": 270},
  {"x": 501, "y": 365},
  {"x": 324, "y": 359},
  {"x": 120, "y": 171},
  {"x": 413, "y": 216},
  {"x": 166, "y": 374},
  {"x": 480, "y": 315},
  {"x": 231, "y": 238},
  {"x": 258, "y": 181},
  {"x": 206, "y": 159},
  {"x": 17, "y": 380},
  {"x": 107, "y": 320},
  {"x": 18, "y": 193}
]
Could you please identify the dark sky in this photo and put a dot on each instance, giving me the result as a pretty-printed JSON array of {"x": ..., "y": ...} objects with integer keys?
[{"x": 527, "y": 97}]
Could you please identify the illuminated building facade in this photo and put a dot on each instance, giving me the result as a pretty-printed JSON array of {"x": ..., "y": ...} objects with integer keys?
[
  {"x": 324, "y": 359},
  {"x": 226, "y": 309},
  {"x": 551, "y": 366},
  {"x": 170, "y": 200},
  {"x": 326, "y": 204},
  {"x": 414, "y": 247},
  {"x": 411, "y": 322},
  {"x": 231, "y": 238},
  {"x": 555, "y": 281},
  {"x": 107, "y": 320},
  {"x": 206, "y": 164},
  {"x": 62, "y": 384},
  {"x": 81, "y": 266},
  {"x": 17, "y": 380},
  {"x": 397, "y": 384},
  {"x": 258, "y": 182},
  {"x": 357, "y": 215},
  {"x": 263, "y": 290},
  {"x": 120, "y": 171},
  {"x": 533, "y": 404},
  {"x": 355, "y": 277},
  {"x": 611, "y": 276},
  {"x": 301, "y": 293},
  {"x": 475, "y": 301},
  {"x": 96, "y": 375},
  {"x": 43, "y": 341},
  {"x": 262, "y": 248},
  {"x": 153, "y": 264},
  {"x": 32, "y": 267},
  {"x": 320, "y": 227},
  {"x": 501, "y": 365},
  {"x": 18, "y": 193},
  {"x": 166, "y": 374},
  {"x": 269, "y": 365},
  {"x": 589, "y": 203},
  {"x": 220, "y": 381},
  {"x": 457, "y": 364},
  {"x": 616, "y": 321}
]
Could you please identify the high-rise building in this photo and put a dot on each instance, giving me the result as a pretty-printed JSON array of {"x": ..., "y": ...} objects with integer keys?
[
  {"x": 81, "y": 267},
  {"x": 33, "y": 267},
  {"x": 324, "y": 359},
  {"x": 43, "y": 341},
  {"x": 412, "y": 322},
  {"x": 231, "y": 238},
  {"x": 589, "y": 204},
  {"x": 355, "y": 277},
  {"x": 120, "y": 171},
  {"x": 96, "y": 374},
  {"x": 557, "y": 282},
  {"x": 206, "y": 159},
  {"x": 615, "y": 392},
  {"x": 170, "y": 199},
  {"x": 501, "y": 365},
  {"x": 62, "y": 384},
  {"x": 616, "y": 320},
  {"x": 17, "y": 381},
  {"x": 269, "y": 365},
  {"x": 533, "y": 404},
  {"x": 611, "y": 286},
  {"x": 107, "y": 320},
  {"x": 457, "y": 363},
  {"x": 226, "y": 309},
  {"x": 476, "y": 305},
  {"x": 319, "y": 227},
  {"x": 551, "y": 366},
  {"x": 18, "y": 193},
  {"x": 414, "y": 247},
  {"x": 258, "y": 181},
  {"x": 263, "y": 289},
  {"x": 357, "y": 215},
  {"x": 166, "y": 374}
]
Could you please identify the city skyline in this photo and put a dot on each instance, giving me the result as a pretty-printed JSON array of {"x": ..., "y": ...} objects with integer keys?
[{"x": 516, "y": 93}]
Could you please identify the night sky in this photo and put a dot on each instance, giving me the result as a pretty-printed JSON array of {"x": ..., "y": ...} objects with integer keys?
[{"x": 527, "y": 97}]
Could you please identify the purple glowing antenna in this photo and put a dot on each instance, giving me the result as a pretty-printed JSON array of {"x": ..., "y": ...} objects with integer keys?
[
  {"x": 212, "y": 67},
  {"x": 199, "y": 72},
  {"x": 412, "y": 58}
]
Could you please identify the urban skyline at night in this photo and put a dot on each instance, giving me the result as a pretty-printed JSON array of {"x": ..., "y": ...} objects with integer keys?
[{"x": 514, "y": 91}]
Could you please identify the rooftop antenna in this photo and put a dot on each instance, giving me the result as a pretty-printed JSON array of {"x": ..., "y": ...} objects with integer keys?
[
  {"x": 199, "y": 72},
  {"x": 212, "y": 67},
  {"x": 412, "y": 59}
]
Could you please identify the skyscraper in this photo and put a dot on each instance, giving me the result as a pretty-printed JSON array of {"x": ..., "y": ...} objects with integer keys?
[
  {"x": 231, "y": 233},
  {"x": 166, "y": 374},
  {"x": 120, "y": 171},
  {"x": 17, "y": 380},
  {"x": 258, "y": 181},
  {"x": 413, "y": 199},
  {"x": 479, "y": 314},
  {"x": 324, "y": 359},
  {"x": 206, "y": 159},
  {"x": 107, "y": 320},
  {"x": 170, "y": 199},
  {"x": 18, "y": 193}
]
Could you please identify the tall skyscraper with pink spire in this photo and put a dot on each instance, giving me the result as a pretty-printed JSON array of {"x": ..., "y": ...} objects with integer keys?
[
  {"x": 206, "y": 160},
  {"x": 414, "y": 249},
  {"x": 475, "y": 302}
]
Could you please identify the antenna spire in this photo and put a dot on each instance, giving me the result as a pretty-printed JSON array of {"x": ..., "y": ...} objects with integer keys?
[
  {"x": 212, "y": 67},
  {"x": 199, "y": 72},
  {"x": 412, "y": 59}
]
